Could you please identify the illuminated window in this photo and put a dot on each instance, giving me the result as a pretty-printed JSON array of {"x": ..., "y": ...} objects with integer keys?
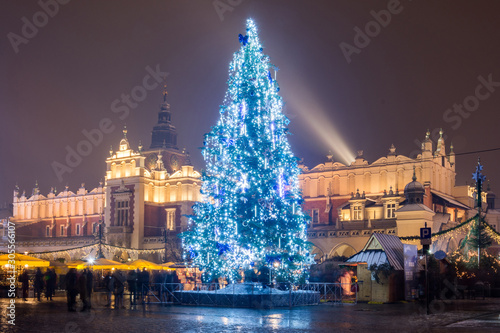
[
  {"x": 391, "y": 210},
  {"x": 356, "y": 211},
  {"x": 315, "y": 216},
  {"x": 122, "y": 212},
  {"x": 77, "y": 229},
  {"x": 170, "y": 215}
]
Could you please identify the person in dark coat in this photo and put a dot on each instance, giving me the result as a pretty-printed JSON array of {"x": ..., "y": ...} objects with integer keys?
[
  {"x": 25, "y": 281},
  {"x": 119, "y": 288},
  {"x": 132, "y": 286},
  {"x": 109, "y": 286},
  {"x": 71, "y": 289},
  {"x": 46, "y": 280},
  {"x": 82, "y": 289},
  {"x": 38, "y": 284},
  {"x": 143, "y": 278},
  {"x": 90, "y": 287},
  {"x": 50, "y": 283}
]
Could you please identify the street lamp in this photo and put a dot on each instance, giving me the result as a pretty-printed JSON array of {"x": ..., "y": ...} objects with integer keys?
[
  {"x": 100, "y": 255},
  {"x": 165, "y": 234}
]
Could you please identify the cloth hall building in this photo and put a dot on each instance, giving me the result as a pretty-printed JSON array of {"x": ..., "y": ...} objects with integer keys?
[{"x": 146, "y": 196}]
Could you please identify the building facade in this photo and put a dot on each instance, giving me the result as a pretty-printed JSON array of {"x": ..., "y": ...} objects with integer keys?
[
  {"x": 348, "y": 203},
  {"x": 143, "y": 202}
]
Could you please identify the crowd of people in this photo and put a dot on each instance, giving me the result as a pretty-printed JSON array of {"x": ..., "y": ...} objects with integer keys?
[
  {"x": 79, "y": 284},
  {"x": 113, "y": 284},
  {"x": 43, "y": 283}
]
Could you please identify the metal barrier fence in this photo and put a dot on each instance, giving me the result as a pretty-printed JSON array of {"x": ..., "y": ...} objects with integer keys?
[{"x": 246, "y": 294}]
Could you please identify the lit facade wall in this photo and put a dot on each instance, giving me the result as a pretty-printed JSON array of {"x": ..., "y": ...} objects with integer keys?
[{"x": 330, "y": 185}]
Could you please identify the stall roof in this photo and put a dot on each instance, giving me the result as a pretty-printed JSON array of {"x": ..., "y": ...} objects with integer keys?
[
  {"x": 381, "y": 248},
  {"x": 369, "y": 257}
]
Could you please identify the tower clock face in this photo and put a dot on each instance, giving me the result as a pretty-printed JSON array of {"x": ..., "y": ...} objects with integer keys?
[
  {"x": 151, "y": 161},
  {"x": 174, "y": 162}
]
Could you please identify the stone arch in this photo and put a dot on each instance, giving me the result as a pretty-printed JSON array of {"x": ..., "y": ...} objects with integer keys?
[
  {"x": 321, "y": 186},
  {"x": 318, "y": 253},
  {"x": 383, "y": 180},
  {"x": 305, "y": 189},
  {"x": 343, "y": 249},
  {"x": 400, "y": 182},
  {"x": 351, "y": 185},
  {"x": 336, "y": 185},
  {"x": 367, "y": 182}
]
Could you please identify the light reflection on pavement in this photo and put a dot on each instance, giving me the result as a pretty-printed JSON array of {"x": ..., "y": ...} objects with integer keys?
[{"x": 461, "y": 316}]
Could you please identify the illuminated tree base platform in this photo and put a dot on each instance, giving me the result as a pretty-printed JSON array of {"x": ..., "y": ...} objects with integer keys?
[{"x": 252, "y": 295}]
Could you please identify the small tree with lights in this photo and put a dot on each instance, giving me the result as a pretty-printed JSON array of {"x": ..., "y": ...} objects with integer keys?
[
  {"x": 250, "y": 215},
  {"x": 478, "y": 238},
  {"x": 471, "y": 261}
]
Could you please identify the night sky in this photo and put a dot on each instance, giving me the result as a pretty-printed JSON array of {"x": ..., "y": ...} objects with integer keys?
[{"x": 64, "y": 78}]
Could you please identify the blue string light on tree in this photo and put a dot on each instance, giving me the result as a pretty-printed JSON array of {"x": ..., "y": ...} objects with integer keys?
[{"x": 250, "y": 214}]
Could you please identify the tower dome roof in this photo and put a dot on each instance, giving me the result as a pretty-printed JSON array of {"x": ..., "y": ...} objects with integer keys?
[{"x": 414, "y": 191}]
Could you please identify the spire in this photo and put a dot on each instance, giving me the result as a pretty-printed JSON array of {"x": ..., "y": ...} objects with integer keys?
[
  {"x": 164, "y": 131},
  {"x": 124, "y": 145},
  {"x": 427, "y": 144},
  {"x": 165, "y": 105},
  {"x": 414, "y": 191},
  {"x": 440, "y": 149},
  {"x": 451, "y": 158}
]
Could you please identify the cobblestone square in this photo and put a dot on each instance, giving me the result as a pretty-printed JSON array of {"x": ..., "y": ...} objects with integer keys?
[{"x": 453, "y": 316}]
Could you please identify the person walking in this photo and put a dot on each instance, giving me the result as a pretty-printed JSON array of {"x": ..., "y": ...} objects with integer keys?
[
  {"x": 90, "y": 287},
  {"x": 46, "y": 278},
  {"x": 82, "y": 288},
  {"x": 52, "y": 283},
  {"x": 71, "y": 289},
  {"x": 132, "y": 286},
  {"x": 345, "y": 284},
  {"x": 143, "y": 283},
  {"x": 109, "y": 285},
  {"x": 119, "y": 289},
  {"x": 25, "y": 281},
  {"x": 38, "y": 284}
]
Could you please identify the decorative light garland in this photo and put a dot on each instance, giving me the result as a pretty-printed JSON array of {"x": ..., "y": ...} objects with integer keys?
[
  {"x": 454, "y": 232},
  {"x": 108, "y": 247}
]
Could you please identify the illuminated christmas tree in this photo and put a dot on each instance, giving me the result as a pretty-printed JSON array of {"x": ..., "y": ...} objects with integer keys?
[{"x": 250, "y": 215}]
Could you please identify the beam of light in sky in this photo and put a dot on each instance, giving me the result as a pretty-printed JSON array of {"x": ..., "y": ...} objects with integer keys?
[{"x": 321, "y": 125}]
